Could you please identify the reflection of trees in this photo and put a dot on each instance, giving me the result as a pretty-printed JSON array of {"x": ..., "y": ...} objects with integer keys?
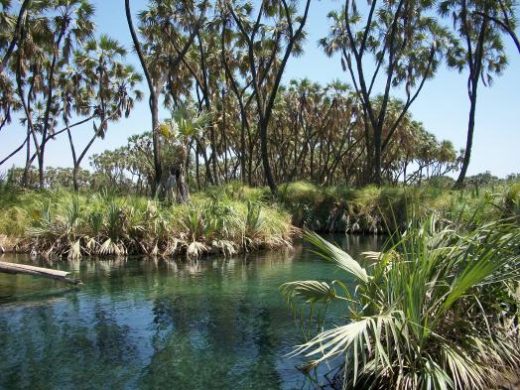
[
  {"x": 112, "y": 343},
  {"x": 207, "y": 342},
  {"x": 219, "y": 333},
  {"x": 214, "y": 323},
  {"x": 54, "y": 347}
]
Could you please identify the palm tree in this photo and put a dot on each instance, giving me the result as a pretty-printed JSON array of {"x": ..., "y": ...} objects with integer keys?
[
  {"x": 17, "y": 34},
  {"x": 481, "y": 50},
  {"x": 98, "y": 86},
  {"x": 178, "y": 133},
  {"x": 268, "y": 51},
  {"x": 10, "y": 37},
  {"x": 161, "y": 25},
  {"x": 405, "y": 44},
  {"x": 53, "y": 32},
  {"x": 504, "y": 17}
]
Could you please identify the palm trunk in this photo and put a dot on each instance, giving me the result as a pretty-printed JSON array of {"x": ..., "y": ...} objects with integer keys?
[
  {"x": 154, "y": 100},
  {"x": 75, "y": 182},
  {"x": 475, "y": 67},
  {"x": 25, "y": 178},
  {"x": 154, "y": 108},
  {"x": 265, "y": 157},
  {"x": 469, "y": 139},
  {"x": 377, "y": 157}
]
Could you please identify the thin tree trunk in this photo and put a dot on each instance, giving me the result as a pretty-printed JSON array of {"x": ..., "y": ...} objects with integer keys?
[
  {"x": 197, "y": 168},
  {"x": 16, "y": 37},
  {"x": 377, "y": 157},
  {"x": 154, "y": 100},
  {"x": 469, "y": 140},
  {"x": 25, "y": 178},
  {"x": 475, "y": 67},
  {"x": 265, "y": 157}
]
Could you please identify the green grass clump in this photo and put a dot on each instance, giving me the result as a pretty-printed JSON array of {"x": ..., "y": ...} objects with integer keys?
[
  {"x": 375, "y": 210},
  {"x": 511, "y": 202},
  {"x": 62, "y": 223},
  {"x": 232, "y": 218},
  {"x": 436, "y": 309}
]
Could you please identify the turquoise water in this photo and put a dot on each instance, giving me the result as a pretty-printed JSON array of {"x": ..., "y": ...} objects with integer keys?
[{"x": 138, "y": 323}]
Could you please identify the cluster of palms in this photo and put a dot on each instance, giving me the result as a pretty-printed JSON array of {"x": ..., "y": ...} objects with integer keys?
[
  {"x": 316, "y": 135},
  {"x": 226, "y": 59},
  {"x": 60, "y": 77}
]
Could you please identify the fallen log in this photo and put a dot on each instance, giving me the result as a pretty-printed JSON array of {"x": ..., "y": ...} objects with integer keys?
[{"x": 14, "y": 268}]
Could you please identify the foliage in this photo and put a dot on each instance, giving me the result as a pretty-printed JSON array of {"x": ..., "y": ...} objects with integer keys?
[
  {"x": 428, "y": 312},
  {"x": 306, "y": 146},
  {"x": 405, "y": 46},
  {"x": 59, "y": 223},
  {"x": 375, "y": 210},
  {"x": 197, "y": 55}
]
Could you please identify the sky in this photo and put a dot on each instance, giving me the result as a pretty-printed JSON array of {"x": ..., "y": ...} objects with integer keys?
[{"x": 442, "y": 106}]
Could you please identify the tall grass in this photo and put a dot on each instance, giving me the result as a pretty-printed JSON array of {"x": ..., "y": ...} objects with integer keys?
[
  {"x": 375, "y": 210},
  {"x": 230, "y": 218},
  {"x": 64, "y": 224},
  {"x": 435, "y": 310}
]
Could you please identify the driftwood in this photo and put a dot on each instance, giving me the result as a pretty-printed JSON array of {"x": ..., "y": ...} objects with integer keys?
[{"x": 14, "y": 268}]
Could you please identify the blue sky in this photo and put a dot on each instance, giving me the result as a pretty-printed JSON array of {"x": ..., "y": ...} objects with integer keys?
[{"x": 442, "y": 106}]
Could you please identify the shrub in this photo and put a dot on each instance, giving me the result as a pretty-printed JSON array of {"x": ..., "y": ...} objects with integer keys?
[{"x": 428, "y": 312}]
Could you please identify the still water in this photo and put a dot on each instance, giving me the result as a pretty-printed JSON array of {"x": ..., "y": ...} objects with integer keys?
[{"x": 138, "y": 323}]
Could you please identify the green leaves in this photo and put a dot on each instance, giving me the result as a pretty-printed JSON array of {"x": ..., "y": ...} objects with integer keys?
[
  {"x": 335, "y": 255},
  {"x": 311, "y": 291},
  {"x": 415, "y": 320}
]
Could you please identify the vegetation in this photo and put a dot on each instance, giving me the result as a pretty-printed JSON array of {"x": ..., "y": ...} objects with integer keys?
[
  {"x": 436, "y": 309},
  {"x": 61, "y": 223},
  {"x": 307, "y": 147},
  {"x": 244, "y": 155},
  {"x": 224, "y": 61},
  {"x": 230, "y": 218},
  {"x": 376, "y": 210}
]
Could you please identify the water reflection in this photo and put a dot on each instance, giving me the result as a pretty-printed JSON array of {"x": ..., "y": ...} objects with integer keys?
[{"x": 140, "y": 323}]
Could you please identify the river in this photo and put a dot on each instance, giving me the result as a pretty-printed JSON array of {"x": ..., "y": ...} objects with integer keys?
[{"x": 138, "y": 323}]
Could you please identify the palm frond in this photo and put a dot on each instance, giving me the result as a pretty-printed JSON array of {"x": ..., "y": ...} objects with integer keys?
[{"x": 337, "y": 256}]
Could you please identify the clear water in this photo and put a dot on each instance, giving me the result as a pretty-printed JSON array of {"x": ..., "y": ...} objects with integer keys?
[{"x": 138, "y": 323}]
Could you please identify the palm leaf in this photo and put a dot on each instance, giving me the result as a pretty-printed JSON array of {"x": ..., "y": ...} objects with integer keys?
[
  {"x": 311, "y": 291},
  {"x": 337, "y": 256}
]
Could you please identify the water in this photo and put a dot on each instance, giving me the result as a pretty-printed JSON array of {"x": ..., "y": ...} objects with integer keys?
[{"x": 138, "y": 323}]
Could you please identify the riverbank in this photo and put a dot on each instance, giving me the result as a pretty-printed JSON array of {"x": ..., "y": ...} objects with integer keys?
[
  {"x": 230, "y": 219},
  {"x": 63, "y": 224},
  {"x": 383, "y": 210}
]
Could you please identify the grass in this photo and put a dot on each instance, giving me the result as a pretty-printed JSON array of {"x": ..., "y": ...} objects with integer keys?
[
  {"x": 373, "y": 210},
  {"x": 71, "y": 225},
  {"x": 231, "y": 218}
]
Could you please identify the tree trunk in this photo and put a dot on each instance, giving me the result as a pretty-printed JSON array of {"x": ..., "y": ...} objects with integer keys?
[
  {"x": 16, "y": 36},
  {"x": 154, "y": 108},
  {"x": 377, "y": 158},
  {"x": 182, "y": 187},
  {"x": 25, "y": 178},
  {"x": 475, "y": 67},
  {"x": 41, "y": 173},
  {"x": 75, "y": 171},
  {"x": 154, "y": 100},
  {"x": 197, "y": 169},
  {"x": 265, "y": 157},
  {"x": 243, "y": 149},
  {"x": 469, "y": 140}
]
